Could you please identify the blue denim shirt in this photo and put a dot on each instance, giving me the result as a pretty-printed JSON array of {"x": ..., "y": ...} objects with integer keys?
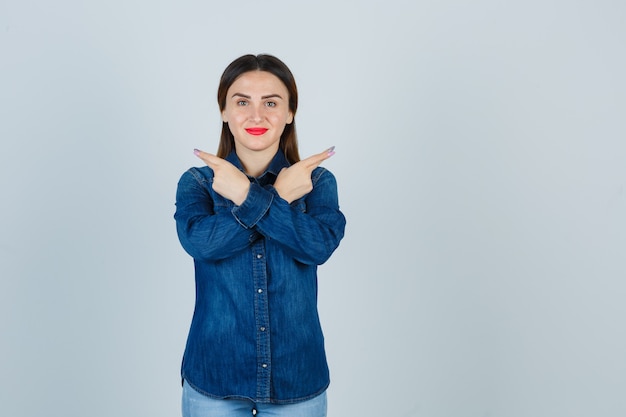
[{"x": 255, "y": 331}]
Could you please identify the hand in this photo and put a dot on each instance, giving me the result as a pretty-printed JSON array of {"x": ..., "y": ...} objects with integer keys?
[
  {"x": 228, "y": 181},
  {"x": 295, "y": 182}
]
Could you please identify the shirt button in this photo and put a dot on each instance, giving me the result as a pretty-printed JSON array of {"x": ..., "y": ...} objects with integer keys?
[
  {"x": 260, "y": 290},
  {"x": 259, "y": 256},
  {"x": 264, "y": 365},
  {"x": 262, "y": 329}
]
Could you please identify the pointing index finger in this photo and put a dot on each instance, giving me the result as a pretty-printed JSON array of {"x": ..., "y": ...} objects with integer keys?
[
  {"x": 315, "y": 160},
  {"x": 210, "y": 159}
]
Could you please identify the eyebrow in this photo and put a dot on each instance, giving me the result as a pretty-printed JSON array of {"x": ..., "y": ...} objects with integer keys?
[{"x": 262, "y": 98}]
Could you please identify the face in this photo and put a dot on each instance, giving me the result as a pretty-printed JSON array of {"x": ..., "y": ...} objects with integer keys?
[{"x": 257, "y": 110}]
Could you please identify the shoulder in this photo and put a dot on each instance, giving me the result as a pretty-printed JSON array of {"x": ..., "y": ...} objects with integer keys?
[
  {"x": 198, "y": 174},
  {"x": 321, "y": 174},
  {"x": 194, "y": 184}
]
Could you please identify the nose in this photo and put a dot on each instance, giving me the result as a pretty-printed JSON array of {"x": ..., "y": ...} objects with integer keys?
[{"x": 255, "y": 113}]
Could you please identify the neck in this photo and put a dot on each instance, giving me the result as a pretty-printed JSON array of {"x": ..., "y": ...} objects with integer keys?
[{"x": 255, "y": 162}]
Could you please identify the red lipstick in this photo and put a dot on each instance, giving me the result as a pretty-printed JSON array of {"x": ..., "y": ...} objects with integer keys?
[{"x": 256, "y": 131}]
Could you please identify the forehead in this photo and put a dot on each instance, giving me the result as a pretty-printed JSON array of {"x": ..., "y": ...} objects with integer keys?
[{"x": 261, "y": 82}]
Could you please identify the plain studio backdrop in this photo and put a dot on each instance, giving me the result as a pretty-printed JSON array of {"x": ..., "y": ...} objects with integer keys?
[{"x": 481, "y": 161}]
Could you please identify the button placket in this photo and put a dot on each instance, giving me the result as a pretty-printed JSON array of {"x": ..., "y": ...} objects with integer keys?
[{"x": 261, "y": 313}]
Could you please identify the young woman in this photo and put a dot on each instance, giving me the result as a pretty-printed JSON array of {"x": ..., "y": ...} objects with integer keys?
[{"x": 257, "y": 221}]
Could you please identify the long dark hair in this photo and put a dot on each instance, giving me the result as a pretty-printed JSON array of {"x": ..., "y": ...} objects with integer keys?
[{"x": 263, "y": 62}]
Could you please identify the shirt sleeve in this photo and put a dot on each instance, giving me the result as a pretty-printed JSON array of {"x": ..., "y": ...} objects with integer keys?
[
  {"x": 254, "y": 207},
  {"x": 310, "y": 228},
  {"x": 208, "y": 231}
]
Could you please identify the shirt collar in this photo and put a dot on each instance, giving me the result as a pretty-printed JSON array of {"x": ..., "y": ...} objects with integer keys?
[{"x": 276, "y": 165}]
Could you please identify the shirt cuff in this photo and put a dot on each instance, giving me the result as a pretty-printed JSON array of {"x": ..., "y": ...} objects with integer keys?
[{"x": 254, "y": 206}]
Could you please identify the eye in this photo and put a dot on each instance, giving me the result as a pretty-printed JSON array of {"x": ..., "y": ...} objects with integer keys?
[
  {"x": 242, "y": 103},
  {"x": 270, "y": 104}
]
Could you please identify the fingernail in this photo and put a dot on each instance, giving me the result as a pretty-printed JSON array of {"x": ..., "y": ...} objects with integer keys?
[
  {"x": 331, "y": 153},
  {"x": 331, "y": 150},
  {"x": 196, "y": 152}
]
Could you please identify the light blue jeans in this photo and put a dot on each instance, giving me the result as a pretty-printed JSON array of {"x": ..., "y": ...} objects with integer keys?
[{"x": 195, "y": 404}]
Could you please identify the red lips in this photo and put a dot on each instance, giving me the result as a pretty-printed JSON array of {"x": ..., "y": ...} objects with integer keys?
[{"x": 256, "y": 131}]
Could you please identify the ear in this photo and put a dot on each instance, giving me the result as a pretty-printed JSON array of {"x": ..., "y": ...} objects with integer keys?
[
  {"x": 289, "y": 118},
  {"x": 224, "y": 118}
]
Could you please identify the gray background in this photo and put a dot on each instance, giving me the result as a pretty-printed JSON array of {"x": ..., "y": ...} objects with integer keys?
[{"x": 480, "y": 157}]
